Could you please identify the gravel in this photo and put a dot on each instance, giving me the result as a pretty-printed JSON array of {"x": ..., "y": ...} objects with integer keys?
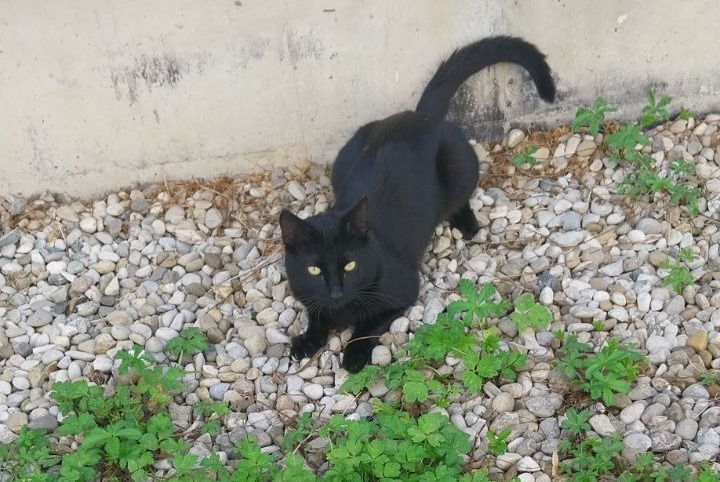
[{"x": 81, "y": 280}]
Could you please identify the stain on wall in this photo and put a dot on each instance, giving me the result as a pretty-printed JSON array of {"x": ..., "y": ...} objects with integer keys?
[
  {"x": 148, "y": 72},
  {"x": 301, "y": 46},
  {"x": 480, "y": 116}
]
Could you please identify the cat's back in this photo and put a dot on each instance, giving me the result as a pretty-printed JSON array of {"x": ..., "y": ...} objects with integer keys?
[{"x": 393, "y": 154}]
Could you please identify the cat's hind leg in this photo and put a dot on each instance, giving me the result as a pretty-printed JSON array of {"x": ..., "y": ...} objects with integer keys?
[
  {"x": 458, "y": 171},
  {"x": 464, "y": 220}
]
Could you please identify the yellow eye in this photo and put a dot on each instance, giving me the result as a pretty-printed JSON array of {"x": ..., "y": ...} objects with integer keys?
[
  {"x": 350, "y": 266},
  {"x": 314, "y": 270}
]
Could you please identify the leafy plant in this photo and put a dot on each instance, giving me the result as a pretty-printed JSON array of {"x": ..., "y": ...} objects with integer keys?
[
  {"x": 396, "y": 447},
  {"x": 28, "y": 458},
  {"x": 681, "y": 167},
  {"x": 461, "y": 332},
  {"x": 625, "y": 146},
  {"x": 190, "y": 341},
  {"x": 525, "y": 156},
  {"x": 576, "y": 422},
  {"x": 655, "y": 110},
  {"x": 497, "y": 443},
  {"x": 678, "y": 277},
  {"x": 593, "y": 117},
  {"x": 530, "y": 314},
  {"x": 711, "y": 377},
  {"x": 686, "y": 254},
  {"x": 686, "y": 114},
  {"x": 591, "y": 458},
  {"x": 602, "y": 375}
]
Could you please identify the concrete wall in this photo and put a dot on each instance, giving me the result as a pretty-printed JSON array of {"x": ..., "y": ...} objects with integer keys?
[{"x": 101, "y": 95}]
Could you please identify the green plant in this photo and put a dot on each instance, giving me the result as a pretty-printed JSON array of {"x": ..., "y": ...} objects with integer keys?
[
  {"x": 576, "y": 422},
  {"x": 592, "y": 118},
  {"x": 686, "y": 114},
  {"x": 396, "y": 447},
  {"x": 678, "y": 277},
  {"x": 190, "y": 341},
  {"x": 686, "y": 254},
  {"x": 602, "y": 375},
  {"x": 211, "y": 411},
  {"x": 711, "y": 377},
  {"x": 625, "y": 146},
  {"x": 590, "y": 458},
  {"x": 681, "y": 167},
  {"x": 530, "y": 314},
  {"x": 655, "y": 110},
  {"x": 28, "y": 458},
  {"x": 525, "y": 156},
  {"x": 497, "y": 443},
  {"x": 461, "y": 331}
]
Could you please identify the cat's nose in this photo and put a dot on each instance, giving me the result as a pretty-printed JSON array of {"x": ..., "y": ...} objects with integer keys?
[{"x": 336, "y": 294}]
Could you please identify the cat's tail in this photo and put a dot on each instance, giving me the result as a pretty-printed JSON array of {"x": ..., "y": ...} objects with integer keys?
[{"x": 464, "y": 62}]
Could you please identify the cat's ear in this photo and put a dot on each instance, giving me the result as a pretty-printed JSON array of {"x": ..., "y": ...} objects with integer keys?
[
  {"x": 295, "y": 231},
  {"x": 356, "y": 220}
]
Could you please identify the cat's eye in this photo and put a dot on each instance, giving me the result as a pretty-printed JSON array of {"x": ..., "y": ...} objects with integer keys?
[
  {"x": 314, "y": 270},
  {"x": 350, "y": 266}
]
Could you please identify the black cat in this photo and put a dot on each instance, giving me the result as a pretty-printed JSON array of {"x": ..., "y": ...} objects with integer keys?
[{"x": 394, "y": 181}]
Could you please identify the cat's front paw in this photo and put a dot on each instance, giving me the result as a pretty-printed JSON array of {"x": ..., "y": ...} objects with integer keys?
[
  {"x": 357, "y": 355},
  {"x": 302, "y": 346}
]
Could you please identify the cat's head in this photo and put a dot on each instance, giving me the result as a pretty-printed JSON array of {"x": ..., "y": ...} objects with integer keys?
[{"x": 329, "y": 257}]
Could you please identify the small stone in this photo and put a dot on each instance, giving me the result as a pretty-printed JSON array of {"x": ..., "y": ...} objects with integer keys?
[
  {"x": 255, "y": 345},
  {"x": 218, "y": 390},
  {"x": 296, "y": 190},
  {"x": 39, "y": 319},
  {"x": 602, "y": 425},
  {"x": 313, "y": 391},
  {"x": 542, "y": 406},
  {"x": 568, "y": 239},
  {"x": 88, "y": 224},
  {"x": 515, "y": 137},
  {"x": 586, "y": 148},
  {"x": 613, "y": 269},
  {"x": 527, "y": 464},
  {"x": 649, "y": 226},
  {"x": 503, "y": 402},
  {"x": 213, "y": 218},
  {"x": 698, "y": 341},
  {"x": 687, "y": 429},
  {"x": 67, "y": 213},
  {"x": 638, "y": 441},
  {"x": 381, "y": 356},
  {"x": 664, "y": 441}
]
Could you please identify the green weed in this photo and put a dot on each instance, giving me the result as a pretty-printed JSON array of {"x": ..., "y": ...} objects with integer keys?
[
  {"x": 593, "y": 117},
  {"x": 603, "y": 374},
  {"x": 525, "y": 156}
]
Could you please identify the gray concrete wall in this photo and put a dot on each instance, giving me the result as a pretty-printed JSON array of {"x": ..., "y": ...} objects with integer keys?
[{"x": 101, "y": 95}]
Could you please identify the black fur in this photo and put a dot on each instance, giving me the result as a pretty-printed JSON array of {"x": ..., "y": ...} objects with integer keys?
[{"x": 394, "y": 181}]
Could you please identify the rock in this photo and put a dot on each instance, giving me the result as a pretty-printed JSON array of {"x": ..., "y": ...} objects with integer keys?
[
  {"x": 503, "y": 402},
  {"x": 66, "y": 213},
  {"x": 381, "y": 356},
  {"x": 698, "y": 341},
  {"x": 515, "y": 137},
  {"x": 543, "y": 406},
  {"x": 649, "y": 226},
  {"x": 687, "y": 429},
  {"x": 568, "y": 239},
  {"x": 213, "y": 218},
  {"x": 664, "y": 441},
  {"x": 602, "y": 425},
  {"x": 313, "y": 391}
]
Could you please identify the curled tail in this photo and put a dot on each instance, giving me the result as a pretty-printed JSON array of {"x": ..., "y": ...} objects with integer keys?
[{"x": 463, "y": 63}]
